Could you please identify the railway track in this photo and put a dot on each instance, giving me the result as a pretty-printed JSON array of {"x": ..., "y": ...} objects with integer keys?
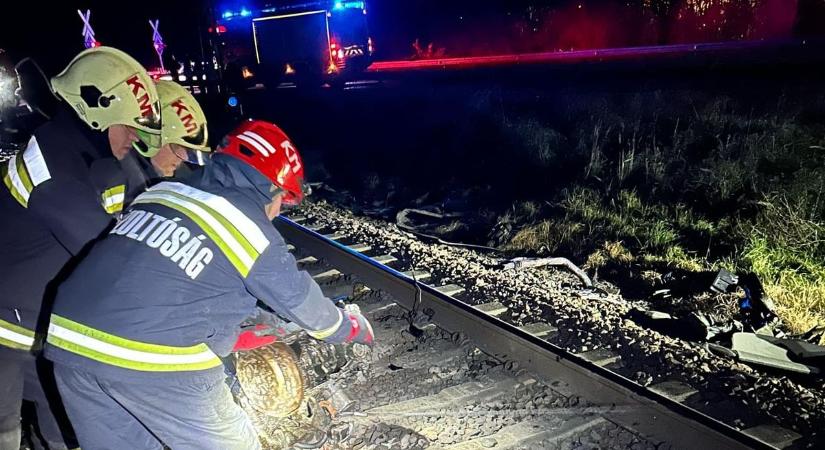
[{"x": 448, "y": 374}]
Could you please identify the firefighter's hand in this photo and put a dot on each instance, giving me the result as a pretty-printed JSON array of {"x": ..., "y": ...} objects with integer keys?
[
  {"x": 360, "y": 329},
  {"x": 256, "y": 337},
  {"x": 354, "y": 328}
]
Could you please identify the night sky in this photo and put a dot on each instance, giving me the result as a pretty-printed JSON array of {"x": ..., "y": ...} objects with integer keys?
[{"x": 51, "y": 31}]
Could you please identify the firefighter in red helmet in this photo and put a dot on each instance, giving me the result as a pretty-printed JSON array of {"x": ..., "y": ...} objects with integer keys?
[
  {"x": 265, "y": 147},
  {"x": 137, "y": 352}
]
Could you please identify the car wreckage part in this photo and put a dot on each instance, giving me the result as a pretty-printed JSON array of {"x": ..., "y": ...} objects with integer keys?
[{"x": 271, "y": 381}]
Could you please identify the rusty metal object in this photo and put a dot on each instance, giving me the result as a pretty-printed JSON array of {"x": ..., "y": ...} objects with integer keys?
[
  {"x": 271, "y": 380},
  {"x": 275, "y": 387}
]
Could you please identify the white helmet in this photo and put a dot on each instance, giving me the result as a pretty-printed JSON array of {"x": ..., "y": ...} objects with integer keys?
[{"x": 105, "y": 86}]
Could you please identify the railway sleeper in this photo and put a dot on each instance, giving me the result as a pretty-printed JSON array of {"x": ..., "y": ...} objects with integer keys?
[
  {"x": 335, "y": 236},
  {"x": 307, "y": 260},
  {"x": 674, "y": 390},
  {"x": 324, "y": 276},
  {"x": 418, "y": 275},
  {"x": 385, "y": 259},
  {"x": 493, "y": 308},
  {"x": 601, "y": 357},
  {"x": 450, "y": 289},
  {"x": 774, "y": 435},
  {"x": 539, "y": 329},
  {"x": 360, "y": 247}
]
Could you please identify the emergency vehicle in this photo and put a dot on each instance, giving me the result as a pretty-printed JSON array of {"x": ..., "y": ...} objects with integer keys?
[{"x": 293, "y": 41}]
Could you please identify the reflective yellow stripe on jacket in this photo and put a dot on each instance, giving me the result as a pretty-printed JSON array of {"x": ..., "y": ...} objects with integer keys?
[
  {"x": 238, "y": 237},
  {"x": 128, "y": 354},
  {"x": 113, "y": 198},
  {"x": 15, "y": 336},
  {"x": 327, "y": 332},
  {"x": 25, "y": 171}
]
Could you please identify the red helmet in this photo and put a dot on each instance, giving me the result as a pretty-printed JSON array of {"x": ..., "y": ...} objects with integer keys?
[{"x": 265, "y": 147}]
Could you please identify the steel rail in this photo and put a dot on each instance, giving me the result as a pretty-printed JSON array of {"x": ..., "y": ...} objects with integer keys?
[{"x": 653, "y": 415}]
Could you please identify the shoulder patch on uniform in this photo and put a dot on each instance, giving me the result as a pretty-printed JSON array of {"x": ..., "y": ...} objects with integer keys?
[
  {"x": 240, "y": 239},
  {"x": 25, "y": 171},
  {"x": 113, "y": 197}
]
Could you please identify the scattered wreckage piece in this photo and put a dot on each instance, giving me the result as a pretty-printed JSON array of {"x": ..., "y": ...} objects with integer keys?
[
  {"x": 724, "y": 282},
  {"x": 764, "y": 347},
  {"x": 800, "y": 349},
  {"x": 694, "y": 326},
  {"x": 754, "y": 349},
  {"x": 404, "y": 220},
  {"x": 531, "y": 263}
]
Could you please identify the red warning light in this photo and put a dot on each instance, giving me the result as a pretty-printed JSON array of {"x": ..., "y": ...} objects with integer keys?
[{"x": 220, "y": 29}]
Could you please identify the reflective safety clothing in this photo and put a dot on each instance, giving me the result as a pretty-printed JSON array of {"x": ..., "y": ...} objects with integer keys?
[
  {"x": 49, "y": 211},
  {"x": 120, "y": 182},
  {"x": 113, "y": 198},
  {"x": 110, "y": 182},
  {"x": 165, "y": 292}
]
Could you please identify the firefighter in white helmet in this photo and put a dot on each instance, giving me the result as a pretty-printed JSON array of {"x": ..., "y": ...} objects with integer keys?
[
  {"x": 184, "y": 138},
  {"x": 185, "y": 135},
  {"x": 50, "y": 210}
]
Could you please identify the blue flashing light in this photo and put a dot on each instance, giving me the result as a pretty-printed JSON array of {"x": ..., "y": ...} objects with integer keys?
[
  {"x": 227, "y": 14},
  {"x": 349, "y": 5},
  {"x": 232, "y": 101},
  {"x": 245, "y": 12}
]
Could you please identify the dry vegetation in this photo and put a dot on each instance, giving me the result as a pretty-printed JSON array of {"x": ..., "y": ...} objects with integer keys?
[{"x": 689, "y": 185}]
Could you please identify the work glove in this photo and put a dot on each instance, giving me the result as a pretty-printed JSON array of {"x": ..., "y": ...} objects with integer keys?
[
  {"x": 255, "y": 336},
  {"x": 354, "y": 328}
]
